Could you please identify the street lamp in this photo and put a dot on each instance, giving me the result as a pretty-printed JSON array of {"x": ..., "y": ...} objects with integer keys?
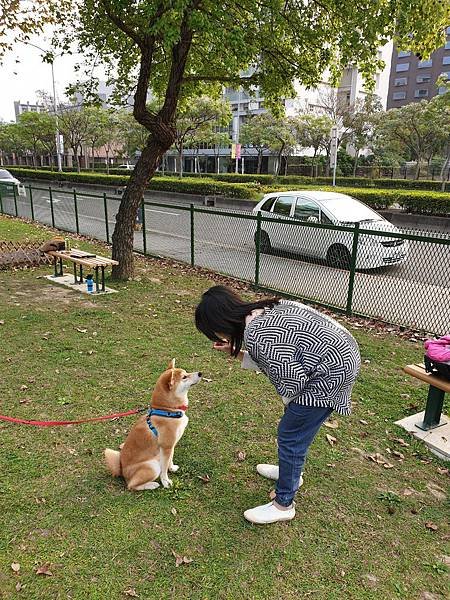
[{"x": 49, "y": 58}]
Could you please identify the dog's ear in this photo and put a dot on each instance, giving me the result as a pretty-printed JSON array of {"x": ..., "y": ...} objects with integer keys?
[{"x": 171, "y": 365}]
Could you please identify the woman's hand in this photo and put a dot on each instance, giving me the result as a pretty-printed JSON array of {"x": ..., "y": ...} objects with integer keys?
[{"x": 222, "y": 346}]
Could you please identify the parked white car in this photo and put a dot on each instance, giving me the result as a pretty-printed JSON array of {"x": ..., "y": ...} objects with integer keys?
[
  {"x": 8, "y": 182},
  {"x": 334, "y": 247}
]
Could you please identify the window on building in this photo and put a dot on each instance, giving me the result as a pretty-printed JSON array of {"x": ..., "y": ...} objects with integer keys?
[
  {"x": 402, "y": 67},
  {"x": 447, "y": 45},
  {"x": 399, "y": 95},
  {"x": 425, "y": 64},
  {"x": 423, "y": 78},
  {"x": 403, "y": 53},
  {"x": 446, "y": 60},
  {"x": 400, "y": 81},
  {"x": 422, "y": 93}
]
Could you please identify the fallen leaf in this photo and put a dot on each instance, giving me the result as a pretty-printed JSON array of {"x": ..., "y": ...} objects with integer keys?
[
  {"x": 436, "y": 491},
  {"x": 173, "y": 511},
  {"x": 372, "y": 580},
  {"x": 363, "y": 422},
  {"x": 331, "y": 424},
  {"x": 279, "y": 569},
  {"x": 446, "y": 560},
  {"x": 15, "y": 567},
  {"x": 430, "y": 525},
  {"x": 330, "y": 439},
  {"x": 407, "y": 492},
  {"x": 19, "y": 586},
  {"x": 206, "y": 380},
  {"x": 272, "y": 494},
  {"x": 81, "y": 330},
  {"x": 205, "y": 478},
  {"x": 443, "y": 471},
  {"x": 240, "y": 455},
  {"x": 399, "y": 455},
  {"x": 179, "y": 560},
  {"x": 131, "y": 592},
  {"x": 23, "y": 388},
  {"x": 402, "y": 442},
  {"x": 428, "y": 596},
  {"x": 44, "y": 570},
  {"x": 2, "y": 322}
]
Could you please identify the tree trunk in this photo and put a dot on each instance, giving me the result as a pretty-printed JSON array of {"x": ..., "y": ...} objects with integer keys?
[
  {"x": 107, "y": 162},
  {"x": 180, "y": 158},
  {"x": 355, "y": 163},
  {"x": 93, "y": 161},
  {"x": 260, "y": 157},
  {"x": 286, "y": 164},
  {"x": 418, "y": 169},
  {"x": 123, "y": 236},
  {"x": 444, "y": 168}
]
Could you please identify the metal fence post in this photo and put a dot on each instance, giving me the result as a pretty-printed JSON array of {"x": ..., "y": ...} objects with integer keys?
[
  {"x": 144, "y": 233},
  {"x": 51, "y": 205},
  {"x": 192, "y": 236},
  {"x": 351, "y": 281},
  {"x": 75, "y": 202},
  {"x": 258, "y": 246},
  {"x": 105, "y": 204},
  {"x": 1, "y": 201},
  {"x": 30, "y": 189},
  {"x": 15, "y": 200}
]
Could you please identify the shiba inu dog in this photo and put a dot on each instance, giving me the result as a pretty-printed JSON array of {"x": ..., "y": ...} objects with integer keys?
[{"x": 147, "y": 452}]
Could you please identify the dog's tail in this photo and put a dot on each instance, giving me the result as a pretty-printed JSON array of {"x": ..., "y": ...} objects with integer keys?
[{"x": 112, "y": 459}]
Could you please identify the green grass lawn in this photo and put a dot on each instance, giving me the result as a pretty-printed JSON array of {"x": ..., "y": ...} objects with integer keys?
[{"x": 360, "y": 531}]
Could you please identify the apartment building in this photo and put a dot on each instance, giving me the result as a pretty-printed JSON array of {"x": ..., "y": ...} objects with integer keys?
[{"x": 413, "y": 79}]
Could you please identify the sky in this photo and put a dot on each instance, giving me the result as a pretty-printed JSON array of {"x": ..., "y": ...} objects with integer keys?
[{"x": 19, "y": 81}]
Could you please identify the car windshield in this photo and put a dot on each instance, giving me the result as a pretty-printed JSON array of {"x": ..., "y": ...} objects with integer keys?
[
  {"x": 346, "y": 209},
  {"x": 5, "y": 174}
]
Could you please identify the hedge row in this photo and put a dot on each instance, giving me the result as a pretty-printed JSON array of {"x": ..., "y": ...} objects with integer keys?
[
  {"x": 421, "y": 202},
  {"x": 186, "y": 185},
  {"x": 296, "y": 180}
]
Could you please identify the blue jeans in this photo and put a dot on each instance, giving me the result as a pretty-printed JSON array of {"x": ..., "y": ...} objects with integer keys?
[{"x": 296, "y": 433}]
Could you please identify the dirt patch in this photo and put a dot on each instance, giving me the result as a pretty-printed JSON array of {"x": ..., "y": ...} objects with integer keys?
[{"x": 40, "y": 293}]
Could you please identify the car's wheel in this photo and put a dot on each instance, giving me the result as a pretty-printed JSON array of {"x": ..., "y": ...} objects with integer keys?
[
  {"x": 338, "y": 257},
  {"x": 264, "y": 245}
]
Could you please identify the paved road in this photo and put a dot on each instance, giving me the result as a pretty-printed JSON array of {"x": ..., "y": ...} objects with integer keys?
[{"x": 416, "y": 293}]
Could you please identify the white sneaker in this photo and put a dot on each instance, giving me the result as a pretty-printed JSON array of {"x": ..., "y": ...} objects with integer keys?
[
  {"x": 272, "y": 472},
  {"x": 269, "y": 513}
]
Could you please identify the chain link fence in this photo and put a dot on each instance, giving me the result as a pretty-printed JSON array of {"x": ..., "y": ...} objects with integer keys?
[{"x": 401, "y": 277}]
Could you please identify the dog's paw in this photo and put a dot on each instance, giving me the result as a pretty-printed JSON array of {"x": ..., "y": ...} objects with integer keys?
[
  {"x": 166, "y": 482},
  {"x": 174, "y": 468}
]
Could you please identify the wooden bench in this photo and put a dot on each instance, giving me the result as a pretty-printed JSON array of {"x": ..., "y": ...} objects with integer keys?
[
  {"x": 82, "y": 259},
  {"x": 436, "y": 393}
]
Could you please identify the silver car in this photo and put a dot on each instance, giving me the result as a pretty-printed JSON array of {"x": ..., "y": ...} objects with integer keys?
[{"x": 334, "y": 247}]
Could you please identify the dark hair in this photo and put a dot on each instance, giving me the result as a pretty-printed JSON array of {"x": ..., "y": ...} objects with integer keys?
[{"x": 222, "y": 311}]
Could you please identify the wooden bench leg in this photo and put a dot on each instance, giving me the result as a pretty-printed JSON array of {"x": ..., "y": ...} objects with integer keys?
[
  {"x": 103, "y": 279},
  {"x": 81, "y": 273},
  {"x": 433, "y": 409},
  {"x": 97, "y": 288},
  {"x": 55, "y": 266},
  {"x": 75, "y": 273}
]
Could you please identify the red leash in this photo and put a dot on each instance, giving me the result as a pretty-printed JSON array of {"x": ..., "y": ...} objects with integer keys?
[{"x": 54, "y": 423}]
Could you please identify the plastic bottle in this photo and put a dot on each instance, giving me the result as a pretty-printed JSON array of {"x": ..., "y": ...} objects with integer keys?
[{"x": 90, "y": 284}]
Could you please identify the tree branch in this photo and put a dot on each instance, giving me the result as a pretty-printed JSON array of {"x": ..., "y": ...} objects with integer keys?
[{"x": 120, "y": 24}]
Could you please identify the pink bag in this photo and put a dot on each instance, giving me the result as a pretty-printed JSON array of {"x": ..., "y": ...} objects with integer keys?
[{"x": 439, "y": 350}]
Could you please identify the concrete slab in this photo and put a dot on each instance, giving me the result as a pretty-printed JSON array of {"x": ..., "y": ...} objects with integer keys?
[
  {"x": 68, "y": 281},
  {"x": 437, "y": 440}
]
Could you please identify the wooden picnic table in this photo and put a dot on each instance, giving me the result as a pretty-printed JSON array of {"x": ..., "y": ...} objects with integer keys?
[
  {"x": 82, "y": 259},
  {"x": 436, "y": 393}
]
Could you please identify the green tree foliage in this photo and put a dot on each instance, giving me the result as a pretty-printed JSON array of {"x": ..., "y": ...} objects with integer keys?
[
  {"x": 313, "y": 131},
  {"x": 74, "y": 124},
  {"x": 419, "y": 130},
  {"x": 197, "y": 120},
  {"x": 37, "y": 130}
]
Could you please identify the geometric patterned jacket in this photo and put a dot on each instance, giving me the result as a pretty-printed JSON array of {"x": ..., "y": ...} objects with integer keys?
[{"x": 310, "y": 358}]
